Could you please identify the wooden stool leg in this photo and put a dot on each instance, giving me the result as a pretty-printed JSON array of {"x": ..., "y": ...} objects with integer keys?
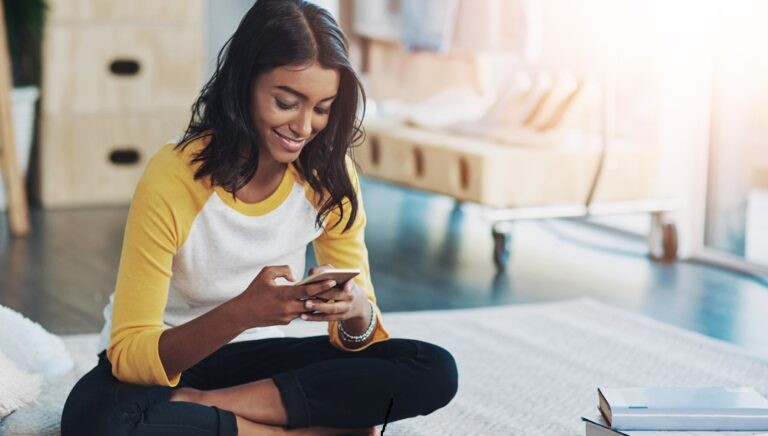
[{"x": 18, "y": 213}]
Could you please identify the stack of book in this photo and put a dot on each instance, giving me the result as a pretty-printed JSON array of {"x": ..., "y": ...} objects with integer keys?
[{"x": 679, "y": 411}]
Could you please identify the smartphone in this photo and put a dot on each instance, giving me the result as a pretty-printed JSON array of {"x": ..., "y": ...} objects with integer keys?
[{"x": 339, "y": 275}]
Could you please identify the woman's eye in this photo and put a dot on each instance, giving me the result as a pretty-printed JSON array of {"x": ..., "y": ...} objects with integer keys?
[
  {"x": 322, "y": 111},
  {"x": 285, "y": 106}
]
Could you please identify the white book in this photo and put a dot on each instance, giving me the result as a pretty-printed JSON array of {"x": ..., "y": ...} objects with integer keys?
[
  {"x": 596, "y": 425},
  {"x": 687, "y": 409}
]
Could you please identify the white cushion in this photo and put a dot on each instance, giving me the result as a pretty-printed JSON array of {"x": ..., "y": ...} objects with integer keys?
[
  {"x": 43, "y": 418},
  {"x": 16, "y": 387},
  {"x": 30, "y": 347}
]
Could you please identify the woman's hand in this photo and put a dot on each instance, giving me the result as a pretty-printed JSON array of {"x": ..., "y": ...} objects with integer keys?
[
  {"x": 265, "y": 303},
  {"x": 340, "y": 303}
]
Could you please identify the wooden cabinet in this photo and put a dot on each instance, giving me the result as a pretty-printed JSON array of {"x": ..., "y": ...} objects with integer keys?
[{"x": 118, "y": 82}]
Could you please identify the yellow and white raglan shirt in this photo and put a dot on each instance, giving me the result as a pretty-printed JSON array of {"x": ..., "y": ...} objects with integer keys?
[{"x": 189, "y": 247}]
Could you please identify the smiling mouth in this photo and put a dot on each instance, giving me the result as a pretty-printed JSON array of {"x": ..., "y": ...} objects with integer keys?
[{"x": 291, "y": 140}]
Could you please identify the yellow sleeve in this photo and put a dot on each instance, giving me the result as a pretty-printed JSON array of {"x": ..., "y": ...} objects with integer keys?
[
  {"x": 154, "y": 230},
  {"x": 347, "y": 250}
]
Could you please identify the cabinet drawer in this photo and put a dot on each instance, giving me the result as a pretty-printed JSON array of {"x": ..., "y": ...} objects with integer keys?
[
  {"x": 125, "y": 12},
  {"x": 98, "y": 160},
  {"x": 97, "y": 69}
]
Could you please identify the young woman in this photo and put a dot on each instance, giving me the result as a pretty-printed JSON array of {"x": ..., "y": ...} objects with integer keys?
[{"x": 190, "y": 341}]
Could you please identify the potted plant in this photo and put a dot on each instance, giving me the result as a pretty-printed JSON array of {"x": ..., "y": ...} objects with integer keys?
[{"x": 24, "y": 22}]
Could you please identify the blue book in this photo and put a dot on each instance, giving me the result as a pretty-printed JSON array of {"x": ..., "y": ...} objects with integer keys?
[{"x": 686, "y": 409}]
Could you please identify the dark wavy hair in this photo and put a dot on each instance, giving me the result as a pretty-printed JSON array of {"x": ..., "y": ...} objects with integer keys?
[{"x": 272, "y": 34}]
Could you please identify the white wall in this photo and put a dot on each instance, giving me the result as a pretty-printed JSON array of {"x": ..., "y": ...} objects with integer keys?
[{"x": 223, "y": 18}]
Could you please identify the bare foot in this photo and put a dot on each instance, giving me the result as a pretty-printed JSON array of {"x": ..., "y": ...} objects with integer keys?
[
  {"x": 327, "y": 431},
  {"x": 245, "y": 427},
  {"x": 186, "y": 394}
]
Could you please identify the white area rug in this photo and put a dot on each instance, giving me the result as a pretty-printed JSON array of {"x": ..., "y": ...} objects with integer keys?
[{"x": 524, "y": 370}]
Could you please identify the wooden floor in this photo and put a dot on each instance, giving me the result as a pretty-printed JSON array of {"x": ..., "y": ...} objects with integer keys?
[{"x": 426, "y": 252}]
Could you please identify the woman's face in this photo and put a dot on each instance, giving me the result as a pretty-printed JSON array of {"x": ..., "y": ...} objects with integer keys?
[{"x": 290, "y": 106}]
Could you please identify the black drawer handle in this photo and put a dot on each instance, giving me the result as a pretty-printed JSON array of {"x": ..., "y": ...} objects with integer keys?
[
  {"x": 418, "y": 158},
  {"x": 463, "y": 173},
  {"x": 125, "y": 67},
  {"x": 124, "y": 156},
  {"x": 375, "y": 151}
]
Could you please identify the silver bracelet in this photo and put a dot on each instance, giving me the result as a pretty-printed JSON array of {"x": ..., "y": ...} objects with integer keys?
[{"x": 357, "y": 339}]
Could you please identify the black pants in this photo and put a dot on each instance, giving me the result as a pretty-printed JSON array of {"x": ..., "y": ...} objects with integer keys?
[{"x": 320, "y": 386}]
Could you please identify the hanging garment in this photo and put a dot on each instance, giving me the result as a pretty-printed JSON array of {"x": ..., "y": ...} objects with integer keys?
[{"x": 428, "y": 24}]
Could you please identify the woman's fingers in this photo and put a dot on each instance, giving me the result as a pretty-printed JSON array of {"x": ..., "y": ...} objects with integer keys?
[
  {"x": 343, "y": 292},
  {"x": 313, "y": 289},
  {"x": 318, "y": 288},
  {"x": 322, "y": 317},
  {"x": 328, "y": 308},
  {"x": 296, "y": 308},
  {"x": 335, "y": 294},
  {"x": 275, "y": 271},
  {"x": 319, "y": 268}
]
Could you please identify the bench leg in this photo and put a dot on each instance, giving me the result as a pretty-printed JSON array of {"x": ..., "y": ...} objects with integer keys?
[
  {"x": 662, "y": 238},
  {"x": 502, "y": 243}
]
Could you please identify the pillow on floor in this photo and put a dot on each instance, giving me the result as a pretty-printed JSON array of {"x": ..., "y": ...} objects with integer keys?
[
  {"x": 16, "y": 388},
  {"x": 30, "y": 347}
]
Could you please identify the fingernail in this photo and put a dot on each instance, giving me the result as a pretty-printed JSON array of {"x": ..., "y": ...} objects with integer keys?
[
  {"x": 332, "y": 283},
  {"x": 310, "y": 305},
  {"x": 304, "y": 317}
]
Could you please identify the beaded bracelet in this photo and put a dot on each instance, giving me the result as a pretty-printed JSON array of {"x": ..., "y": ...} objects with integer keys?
[{"x": 357, "y": 339}]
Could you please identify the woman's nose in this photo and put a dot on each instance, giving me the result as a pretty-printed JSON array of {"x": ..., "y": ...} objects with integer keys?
[{"x": 302, "y": 124}]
